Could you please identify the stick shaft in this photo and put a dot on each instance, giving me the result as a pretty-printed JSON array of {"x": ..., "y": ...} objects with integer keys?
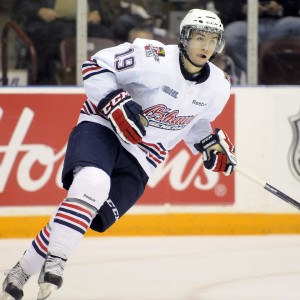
[
  {"x": 270, "y": 188},
  {"x": 281, "y": 195}
]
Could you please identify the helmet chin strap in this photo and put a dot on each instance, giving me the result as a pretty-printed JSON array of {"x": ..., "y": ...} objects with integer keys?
[{"x": 184, "y": 53}]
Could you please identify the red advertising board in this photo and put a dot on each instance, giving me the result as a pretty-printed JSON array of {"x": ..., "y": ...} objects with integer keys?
[{"x": 34, "y": 129}]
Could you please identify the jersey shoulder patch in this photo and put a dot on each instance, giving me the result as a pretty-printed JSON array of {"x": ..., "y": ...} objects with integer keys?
[
  {"x": 154, "y": 51},
  {"x": 151, "y": 48},
  {"x": 227, "y": 77}
]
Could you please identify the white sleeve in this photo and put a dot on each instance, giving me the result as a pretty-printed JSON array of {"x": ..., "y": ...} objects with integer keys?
[
  {"x": 109, "y": 69},
  {"x": 198, "y": 132}
]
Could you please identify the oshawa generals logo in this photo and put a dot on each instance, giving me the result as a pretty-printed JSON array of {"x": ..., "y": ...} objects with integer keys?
[{"x": 161, "y": 116}]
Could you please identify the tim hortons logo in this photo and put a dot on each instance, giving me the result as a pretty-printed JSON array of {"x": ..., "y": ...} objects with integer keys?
[
  {"x": 294, "y": 152},
  {"x": 18, "y": 159},
  {"x": 34, "y": 153},
  {"x": 177, "y": 167}
]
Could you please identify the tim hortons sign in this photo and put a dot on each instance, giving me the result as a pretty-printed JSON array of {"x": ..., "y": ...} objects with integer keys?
[{"x": 34, "y": 131}]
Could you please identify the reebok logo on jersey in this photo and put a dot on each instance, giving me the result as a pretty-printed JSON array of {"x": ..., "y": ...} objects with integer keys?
[
  {"x": 169, "y": 91},
  {"x": 199, "y": 103}
]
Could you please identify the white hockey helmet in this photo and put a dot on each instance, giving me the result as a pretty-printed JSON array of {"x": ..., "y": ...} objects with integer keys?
[{"x": 204, "y": 20}]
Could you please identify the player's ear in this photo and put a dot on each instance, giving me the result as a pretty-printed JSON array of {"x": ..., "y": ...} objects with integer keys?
[{"x": 184, "y": 43}]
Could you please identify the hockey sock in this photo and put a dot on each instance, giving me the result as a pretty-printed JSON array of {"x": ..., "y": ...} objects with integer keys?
[
  {"x": 70, "y": 224},
  {"x": 88, "y": 192},
  {"x": 34, "y": 257}
]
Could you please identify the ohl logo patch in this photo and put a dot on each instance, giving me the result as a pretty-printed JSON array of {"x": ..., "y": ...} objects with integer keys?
[{"x": 294, "y": 152}]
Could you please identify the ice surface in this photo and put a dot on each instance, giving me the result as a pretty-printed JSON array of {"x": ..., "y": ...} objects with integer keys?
[{"x": 265, "y": 267}]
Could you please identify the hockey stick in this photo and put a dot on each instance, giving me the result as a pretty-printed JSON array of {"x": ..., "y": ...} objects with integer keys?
[{"x": 270, "y": 188}]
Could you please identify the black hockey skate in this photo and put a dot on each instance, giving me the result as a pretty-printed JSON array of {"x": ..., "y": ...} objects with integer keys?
[
  {"x": 14, "y": 283},
  {"x": 50, "y": 278}
]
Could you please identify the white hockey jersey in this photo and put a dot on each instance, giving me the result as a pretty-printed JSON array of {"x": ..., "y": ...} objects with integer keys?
[{"x": 177, "y": 109}]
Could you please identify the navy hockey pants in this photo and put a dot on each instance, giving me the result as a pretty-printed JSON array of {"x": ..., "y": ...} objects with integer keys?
[{"x": 91, "y": 144}]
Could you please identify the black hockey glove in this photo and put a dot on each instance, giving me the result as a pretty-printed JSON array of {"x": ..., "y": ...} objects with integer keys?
[
  {"x": 217, "y": 152},
  {"x": 125, "y": 115}
]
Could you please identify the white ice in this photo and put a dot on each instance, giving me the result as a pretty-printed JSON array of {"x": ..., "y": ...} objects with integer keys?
[{"x": 174, "y": 268}]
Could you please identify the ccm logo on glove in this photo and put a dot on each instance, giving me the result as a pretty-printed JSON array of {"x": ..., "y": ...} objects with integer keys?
[
  {"x": 115, "y": 101},
  {"x": 126, "y": 116}
]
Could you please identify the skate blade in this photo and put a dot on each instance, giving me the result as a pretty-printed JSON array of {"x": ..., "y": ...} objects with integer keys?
[
  {"x": 5, "y": 296},
  {"x": 45, "y": 290}
]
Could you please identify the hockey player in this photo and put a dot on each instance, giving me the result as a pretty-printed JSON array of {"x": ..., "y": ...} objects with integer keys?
[{"x": 142, "y": 100}]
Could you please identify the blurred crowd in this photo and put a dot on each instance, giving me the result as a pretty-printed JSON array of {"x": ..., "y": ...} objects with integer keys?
[
  {"x": 48, "y": 22},
  {"x": 279, "y": 21}
]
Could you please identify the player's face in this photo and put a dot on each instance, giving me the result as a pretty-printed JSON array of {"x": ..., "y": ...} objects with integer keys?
[{"x": 201, "y": 46}]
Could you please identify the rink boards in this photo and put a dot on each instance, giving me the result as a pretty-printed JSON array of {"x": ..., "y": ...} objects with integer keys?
[{"x": 182, "y": 197}]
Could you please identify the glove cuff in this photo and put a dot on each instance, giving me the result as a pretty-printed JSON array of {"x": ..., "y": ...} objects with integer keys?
[
  {"x": 207, "y": 142},
  {"x": 111, "y": 100}
]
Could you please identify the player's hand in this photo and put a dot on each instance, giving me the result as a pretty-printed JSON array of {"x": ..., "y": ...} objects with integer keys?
[
  {"x": 217, "y": 152},
  {"x": 126, "y": 116}
]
